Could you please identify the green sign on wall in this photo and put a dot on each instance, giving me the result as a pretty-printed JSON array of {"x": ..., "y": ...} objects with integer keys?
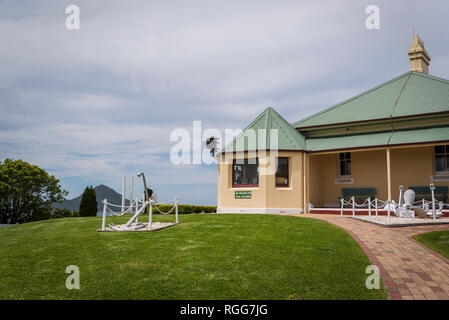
[{"x": 242, "y": 195}]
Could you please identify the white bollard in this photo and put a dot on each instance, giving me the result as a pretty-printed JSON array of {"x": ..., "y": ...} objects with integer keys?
[
  {"x": 176, "y": 204},
  {"x": 131, "y": 195},
  {"x": 369, "y": 206},
  {"x": 105, "y": 205},
  {"x": 123, "y": 194},
  {"x": 353, "y": 205},
  {"x": 375, "y": 203},
  {"x": 150, "y": 219},
  {"x": 388, "y": 204},
  {"x": 432, "y": 188}
]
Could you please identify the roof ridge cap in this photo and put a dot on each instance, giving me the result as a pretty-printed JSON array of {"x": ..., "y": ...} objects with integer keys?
[
  {"x": 296, "y": 133},
  {"x": 243, "y": 131},
  {"x": 430, "y": 76}
]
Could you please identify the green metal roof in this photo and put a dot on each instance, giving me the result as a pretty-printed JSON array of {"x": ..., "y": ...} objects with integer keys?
[
  {"x": 288, "y": 137},
  {"x": 412, "y": 93},
  {"x": 420, "y": 135},
  {"x": 378, "y": 139}
]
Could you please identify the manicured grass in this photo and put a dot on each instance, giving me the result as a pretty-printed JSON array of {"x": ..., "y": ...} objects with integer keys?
[
  {"x": 436, "y": 240},
  {"x": 207, "y": 256}
]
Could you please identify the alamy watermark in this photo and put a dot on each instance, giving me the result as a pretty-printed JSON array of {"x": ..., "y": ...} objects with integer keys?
[
  {"x": 373, "y": 280},
  {"x": 73, "y": 280},
  {"x": 372, "y": 21},
  {"x": 190, "y": 147},
  {"x": 72, "y": 21}
]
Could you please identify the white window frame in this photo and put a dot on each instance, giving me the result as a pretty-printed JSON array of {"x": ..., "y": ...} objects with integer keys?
[{"x": 439, "y": 175}]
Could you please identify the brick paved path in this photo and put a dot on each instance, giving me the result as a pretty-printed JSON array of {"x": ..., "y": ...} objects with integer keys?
[{"x": 408, "y": 269}]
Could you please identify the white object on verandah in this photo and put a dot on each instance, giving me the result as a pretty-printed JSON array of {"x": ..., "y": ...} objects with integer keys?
[{"x": 405, "y": 210}]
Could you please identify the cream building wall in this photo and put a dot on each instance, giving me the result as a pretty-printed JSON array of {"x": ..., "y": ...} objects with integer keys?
[
  {"x": 410, "y": 166},
  {"x": 266, "y": 198},
  {"x": 413, "y": 167}
]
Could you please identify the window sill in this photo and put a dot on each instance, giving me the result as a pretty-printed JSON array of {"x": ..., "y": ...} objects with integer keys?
[
  {"x": 239, "y": 187},
  {"x": 440, "y": 177},
  {"x": 344, "y": 180},
  {"x": 283, "y": 188}
]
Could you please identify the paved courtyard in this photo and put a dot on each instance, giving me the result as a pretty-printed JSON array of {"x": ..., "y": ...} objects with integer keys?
[{"x": 409, "y": 270}]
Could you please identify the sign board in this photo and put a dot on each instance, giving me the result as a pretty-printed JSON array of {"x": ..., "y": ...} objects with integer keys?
[{"x": 242, "y": 195}]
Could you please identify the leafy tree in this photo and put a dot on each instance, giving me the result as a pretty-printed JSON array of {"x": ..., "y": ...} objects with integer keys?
[
  {"x": 88, "y": 204},
  {"x": 26, "y": 192}
]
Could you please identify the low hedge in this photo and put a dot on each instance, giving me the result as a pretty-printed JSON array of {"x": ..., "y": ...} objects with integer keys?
[
  {"x": 185, "y": 208},
  {"x": 63, "y": 213}
]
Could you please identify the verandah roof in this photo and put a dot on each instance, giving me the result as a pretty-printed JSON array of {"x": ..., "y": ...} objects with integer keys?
[
  {"x": 412, "y": 93},
  {"x": 379, "y": 139}
]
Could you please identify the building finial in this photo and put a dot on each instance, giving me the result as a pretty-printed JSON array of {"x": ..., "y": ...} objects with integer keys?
[{"x": 419, "y": 58}]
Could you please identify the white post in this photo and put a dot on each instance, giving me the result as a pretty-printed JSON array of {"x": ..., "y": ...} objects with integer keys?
[
  {"x": 128, "y": 224},
  {"x": 105, "y": 205},
  {"x": 137, "y": 204},
  {"x": 353, "y": 205},
  {"x": 369, "y": 206},
  {"x": 388, "y": 204},
  {"x": 432, "y": 188},
  {"x": 123, "y": 194},
  {"x": 131, "y": 195},
  {"x": 150, "y": 221},
  {"x": 342, "y": 203},
  {"x": 375, "y": 203},
  {"x": 401, "y": 189},
  {"x": 176, "y": 204},
  {"x": 423, "y": 204},
  {"x": 143, "y": 200}
]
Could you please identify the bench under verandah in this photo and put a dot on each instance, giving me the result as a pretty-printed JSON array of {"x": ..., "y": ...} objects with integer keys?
[
  {"x": 423, "y": 192},
  {"x": 357, "y": 193}
]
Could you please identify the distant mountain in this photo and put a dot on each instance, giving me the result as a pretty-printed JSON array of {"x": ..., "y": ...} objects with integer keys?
[{"x": 102, "y": 192}]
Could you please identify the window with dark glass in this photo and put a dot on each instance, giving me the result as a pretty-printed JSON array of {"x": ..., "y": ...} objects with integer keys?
[
  {"x": 282, "y": 172},
  {"x": 442, "y": 159},
  {"x": 245, "y": 173},
  {"x": 344, "y": 162}
]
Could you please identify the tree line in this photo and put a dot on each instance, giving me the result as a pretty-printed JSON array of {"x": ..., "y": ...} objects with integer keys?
[{"x": 27, "y": 193}]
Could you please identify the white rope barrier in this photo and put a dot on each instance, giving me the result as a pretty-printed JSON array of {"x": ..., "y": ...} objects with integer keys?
[
  {"x": 140, "y": 206},
  {"x": 128, "y": 210},
  {"x": 161, "y": 212},
  {"x": 175, "y": 207},
  {"x": 389, "y": 205}
]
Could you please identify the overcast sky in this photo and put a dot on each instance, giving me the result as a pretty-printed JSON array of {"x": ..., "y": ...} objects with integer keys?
[{"x": 94, "y": 104}]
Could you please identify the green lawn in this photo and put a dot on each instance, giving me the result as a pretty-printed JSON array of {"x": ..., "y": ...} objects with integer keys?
[
  {"x": 207, "y": 256},
  {"x": 436, "y": 240}
]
